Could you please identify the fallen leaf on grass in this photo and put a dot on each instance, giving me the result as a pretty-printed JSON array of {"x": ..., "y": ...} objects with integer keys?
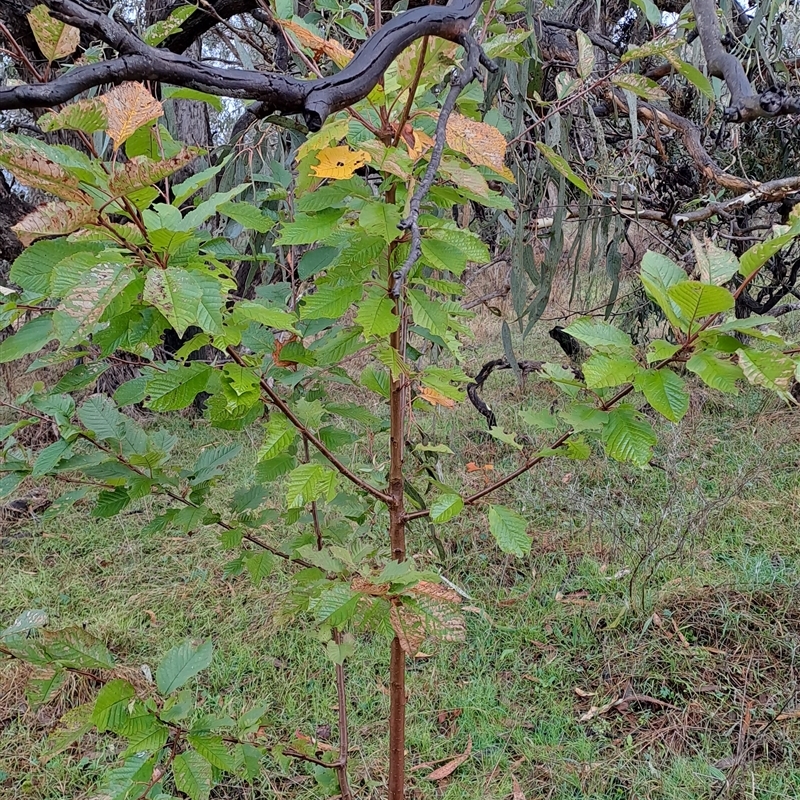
[
  {"x": 518, "y": 793},
  {"x": 451, "y": 766}
]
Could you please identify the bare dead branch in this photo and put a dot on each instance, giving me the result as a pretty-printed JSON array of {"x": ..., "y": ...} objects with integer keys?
[
  {"x": 315, "y": 99},
  {"x": 746, "y": 105}
]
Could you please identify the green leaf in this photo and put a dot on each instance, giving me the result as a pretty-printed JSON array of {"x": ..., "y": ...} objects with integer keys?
[
  {"x": 697, "y": 300},
  {"x": 503, "y": 436},
  {"x": 627, "y": 436},
  {"x": 182, "y": 663},
  {"x": 505, "y": 45},
  {"x": 88, "y": 115},
  {"x": 601, "y": 370},
  {"x": 213, "y": 750},
  {"x": 309, "y": 482},
  {"x": 381, "y": 219},
  {"x": 658, "y": 274},
  {"x": 157, "y": 32},
  {"x": 445, "y": 507},
  {"x": 695, "y": 77},
  {"x": 248, "y": 216},
  {"x": 329, "y": 301},
  {"x": 758, "y": 255},
  {"x": 665, "y": 392},
  {"x": 251, "y": 758},
  {"x": 76, "y": 648},
  {"x": 443, "y": 256},
  {"x": 270, "y": 317},
  {"x": 646, "y": 88},
  {"x": 260, "y": 566},
  {"x": 660, "y": 350},
  {"x": 581, "y": 417},
  {"x": 49, "y": 457},
  {"x": 43, "y": 683},
  {"x": 376, "y": 380},
  {"x": 599, "y": 335},
  {"x": 468, "y": 242},
  {"x": 30, "y": 338},
  {"x": 280, "y": 434},
  {"x": 509, "y": 530},
  {"x": 175, "y": 294},
  {"x": 210, "y": 462},
  {"x": 111, "y": 705},
  {"x": 193, "y": 775},
  {"x": 390, "y": 358},
  {"x": 559, "y": 163},
  {"x": 177, "y": 387},
  {"x": 376, "y": 314},
  {"x": 717, "y": 373},
  {"x": 542, "y": 419},
  {"x": 27, "y": 621},
  {"x": 310, "y": 228},
  {"x": 768, "y": 368},
  {"x": 427, "y": 313},
  {"x": 716, "y": 266},
  {"x": 34, "y": 266}
]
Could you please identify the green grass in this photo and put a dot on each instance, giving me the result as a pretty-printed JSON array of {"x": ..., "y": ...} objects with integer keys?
[{"x": 678, "y": 587}]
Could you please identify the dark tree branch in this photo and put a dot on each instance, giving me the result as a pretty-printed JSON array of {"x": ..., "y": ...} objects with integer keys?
[
  {"x": 314, "y": 99},
  {"x": 745, "y": 105}
]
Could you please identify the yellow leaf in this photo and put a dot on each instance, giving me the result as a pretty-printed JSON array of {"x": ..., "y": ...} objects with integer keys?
[
  {"x": 128, "y": 107},
  {"x": 337, "y": 53},
  {"x": 332, "y": 131},
  {"x": 339, "y": 162},
  {"x": 482, "y": 144},
  {"x": 416, "y": 141},
  {"x": 55, "y": 39},
  {"x": 436, "y": 398}
]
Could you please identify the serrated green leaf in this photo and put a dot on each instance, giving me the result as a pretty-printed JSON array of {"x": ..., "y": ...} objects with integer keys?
[
  {"x": 182, "y": 663},
  {"x": 445, "y": 507},
  {"x": 247, "y": 215},
  {"x": 665, "y": 392},
  {"x": 658, "y": 274},
  {"x": 427, "y": 313},
  {"x": 381, "y": 219},
  {"x": 213, "y": 750},
  {"x": 660, "y": 350},
  {"x": 329, "y": 301},
  {"x": 599, "y": 335},
  {"x": 270, "y": 317},
  {"x": 509, "y": 530},
  {"x": 376, "y": 314},
  {"x": 758, "y": 255},
  {"x": 768, "y": 368},
  {"x": 111, "y": 705},
  {"x": 581, "y": 417},
  {"x": 175, "y": 294},
  {"x": 280, "y": 434},
  {"x": 193, "y": 775},
  {"x": 308, "y": 482},
  {"x": 697, "y": 300},
  {"x": 260, "y": 566},
  {"x": 627, "y": 436},
  {"x": 76, "y": 648},
  {"x": 443, "y": 256},
  {"x": 601, "y": 370},
  {"x": 49, "y": 457},
  {"x": 310, "y": 228},
  {"x": 177, "y": 387}
]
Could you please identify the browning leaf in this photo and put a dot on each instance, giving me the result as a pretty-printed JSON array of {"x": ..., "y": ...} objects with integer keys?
[
  {"x": 409, "y": 628},
  {"x": 435, "y": 398},
  {"x": 481, "y": 143},
  {"x": 450, "y": 767},
  {"x": 128, "y": 107},
  {"x": 339, "y": 162},
  {"x": 436, "y": 591},
  {"x": 55, "y": 39},
  {"x": 31, "y": 166},
  {"x": 337, "y": 53},
  {"x": 141, "y": 171},
  {"x": 53, "y": 219},
  {"x": 362, "y": 585}
]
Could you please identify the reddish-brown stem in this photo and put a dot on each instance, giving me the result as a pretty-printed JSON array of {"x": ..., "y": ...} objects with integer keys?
[
  {"x": 397, "y": 542},
  {"x": 279, "y": 403},
  {"x": 412, "y": 91},
  {"x": 314, "y": 511},
  {"x": 344, "y": 741}
]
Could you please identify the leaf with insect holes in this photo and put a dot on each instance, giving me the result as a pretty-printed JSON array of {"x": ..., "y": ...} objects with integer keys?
[
  {"x": 175, "y": 294},
  {"x": 76, "y": 648},
  {"x": 714, "y": 264},
  {"x": 482, "y": 144},
  {"x": 339, "y": 162},
  {"x": 53, "y": 219},
  {"x": 56, "y": 39},
  {"x": 409, "y": 627},
  {"x": 509, "y": 530},
  {"x": 182, "y": 663},
  {"x": 129, "y": 107},
  {"x": 140, "y": 172},
  {"x": 585, "y": 55},
  {"x": 560, "y": 165},
  {"x": 769, "y": 369}
]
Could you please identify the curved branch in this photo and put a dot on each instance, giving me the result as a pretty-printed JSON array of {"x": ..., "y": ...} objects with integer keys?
[
  {"x": 745, "y": 105},
  {"x": 316, "y": 99}
]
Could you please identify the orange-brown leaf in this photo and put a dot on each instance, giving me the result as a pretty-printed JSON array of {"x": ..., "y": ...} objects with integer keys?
[
  {"x": 55, "y": 39},
  {"x": 31, "y": 166},
  {"x": 53, "y": 219},
  {"x": 436, "y": 591},
  {"x": 363, "y": 586},
  {"x": 482, "y": 144},
  {"x": 128, "y": 107},
  {"x": 450, "y": 767},
  {"x": 436, "y": 398},
  {"x": 339, "y": 162},
  {"x": 409, "y": 628},
  {"x": 518, "y": 793},
  {"x": 337, "y": 53},
  {"x": 141, "y": 171}
]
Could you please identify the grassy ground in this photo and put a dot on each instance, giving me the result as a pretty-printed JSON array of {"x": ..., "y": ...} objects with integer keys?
[{"x": 646, "y": 649}]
